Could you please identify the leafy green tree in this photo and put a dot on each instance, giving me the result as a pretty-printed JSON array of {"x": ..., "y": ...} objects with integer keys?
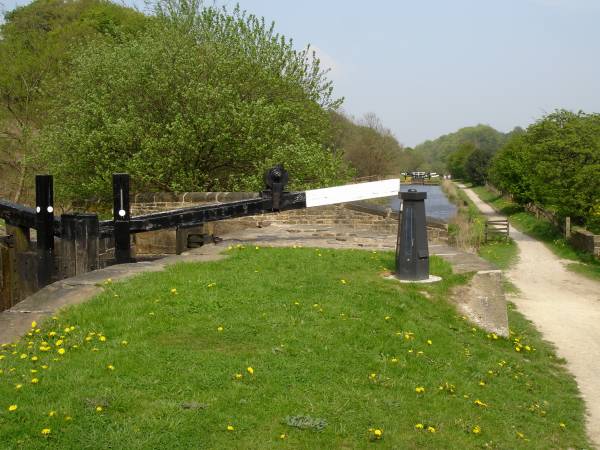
[
  {"x": 457, "y": 160},
  {"x": 555, "y": 163},
  {"x": 203, "y": 100},
  {"x": 511, "y": 170},
  {"x": 35, "y": 47},
  {"x": 476, "y": 166},
  {"x": 437, "y": 152}
]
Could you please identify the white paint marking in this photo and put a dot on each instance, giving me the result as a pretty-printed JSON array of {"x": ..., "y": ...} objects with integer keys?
[{"x": 352, "y": 192}]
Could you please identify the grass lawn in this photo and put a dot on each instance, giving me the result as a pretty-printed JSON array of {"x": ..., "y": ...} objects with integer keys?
[
  {"x": 290, "y": 348},
  {"x": 542, "y": 230}
]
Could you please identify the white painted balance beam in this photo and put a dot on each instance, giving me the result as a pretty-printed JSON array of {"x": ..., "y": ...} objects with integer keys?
[{"x": 352, "y": 192}]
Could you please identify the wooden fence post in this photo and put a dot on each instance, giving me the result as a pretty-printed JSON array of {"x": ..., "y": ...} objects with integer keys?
[
  {"x": 121, "y": 218},
  {"x": 79, "y": 243},
  {"x": 44, "y": 224}
]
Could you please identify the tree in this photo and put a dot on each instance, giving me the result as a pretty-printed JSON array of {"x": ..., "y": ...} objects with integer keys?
[
  {"x": 555, "y": 163},
  {"x": 203, "y": 99},
  {"x": 476, "y": 166},
  {"x": 456, "y": 161},
  {"x": 437, "y": 152},
  {"x": 35, "y": 47}
]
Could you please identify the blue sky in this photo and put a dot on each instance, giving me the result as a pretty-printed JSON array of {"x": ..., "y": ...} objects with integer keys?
[{"x": 429, "y": 67}]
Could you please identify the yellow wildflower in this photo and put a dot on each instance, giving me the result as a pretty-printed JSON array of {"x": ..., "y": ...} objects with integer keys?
[
  {"x": 99, "y": 408},
  {"x": 230, "y": 428},
  {"x": 419, "y": 426},
  {"x": 52, "y": 413},
  {"x": 59, "y": 343},
  {"x": 219, "y": 328},
  {"x": 378, "y": 433},
  {"x": 480, "y": 403},
  {"x": 476, "y": 429},
  {"x": 174, "y": 291},
  {"x": 419, "y": 389},
  {"x": 431, "y": 429},
  {"x": 250, "y": 370},
  {"x": 343, "y": 281},
  {"x": 110, "y": 367},
  {"x": 35, "y": 381},
  {"x": 429, "y": 342},
  {"x": 124, "y": 342},
  {"x": 61, "y": 351},
  {"x": 18, "y": 386},
  {"x": 33, "y": 324},
  {"x": 102, "y": 338},
  {"x": 238, "y": 376},
  {"x": 23, "y": 356},
  {"x": 282, "y": 436},
  {"x": 12, "y": 408},
  {"x": 34, "y": 358},
  {"x": 46, "y": 431}
]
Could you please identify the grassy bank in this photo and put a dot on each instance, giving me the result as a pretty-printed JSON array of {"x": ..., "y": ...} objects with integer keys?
[
  {"x": 541, "y": 230},
  {"x": 283, "y": 348},
  {"x": 467, "y": 230}
]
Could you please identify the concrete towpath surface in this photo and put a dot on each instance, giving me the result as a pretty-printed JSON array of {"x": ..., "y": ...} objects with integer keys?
[{"x": 564, "y": 306}]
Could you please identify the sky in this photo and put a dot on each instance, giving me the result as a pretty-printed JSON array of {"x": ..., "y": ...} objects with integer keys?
[{"x": 430, "y": 67}]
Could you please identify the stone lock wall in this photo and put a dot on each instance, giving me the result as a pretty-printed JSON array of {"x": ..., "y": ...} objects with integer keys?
[{"x": 352, "y": 216}]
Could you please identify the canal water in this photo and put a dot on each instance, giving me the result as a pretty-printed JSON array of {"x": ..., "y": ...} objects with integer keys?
[{"x": 437, "y": 204}]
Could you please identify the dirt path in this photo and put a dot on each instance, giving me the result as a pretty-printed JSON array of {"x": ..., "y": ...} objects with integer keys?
[{"x": 564, "y": 306}]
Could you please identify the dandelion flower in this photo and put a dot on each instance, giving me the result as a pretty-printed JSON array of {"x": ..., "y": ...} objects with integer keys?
[
  {"x": 124, "y": 342},
  {"x": 378, "y": 433},
  {"x": 23, "y": 356},
  {"x": 431, "y": 429},
  {"x": 18, "y": 386},
  {"x": 480, "y": 403},
  {"x": 562, "y": 425},
  {"x": 282, "y": 436},
  {"x": 99, "y": 408},
  {"x": 102, "y": 338},
  {"x": 429, "y": 342},
  {"x": 387, "y": 317},
  {"x": 110, "y": 367},
  {"x": 52, "y": 413},
  {"x": 174, "y": 291},
  {"x": 476, "y": 429},
  {"x": 394, "y": 360},
  {"x": 33, "y": 324},
  {"x": 238, "y": 376},
  {"x": 34, "y": 358},
  {"x": 12, "y": 408},
  {"x": 419, "y": 389},
  {"x": 46, "y": 432},
  {"x": 419, "y": 426},
  {"x": 250, "y": 370},
  {"x": 61, "y": 351},
  {"x": 230, "y": 428},
  {"x": 343, "y": 281},
  {"x": 219, "y": 328}
]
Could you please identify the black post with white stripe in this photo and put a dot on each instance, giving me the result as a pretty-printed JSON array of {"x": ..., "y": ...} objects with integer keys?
[
  {"x": 121, "y": 218},
  {"x": 44, "y": 225}
]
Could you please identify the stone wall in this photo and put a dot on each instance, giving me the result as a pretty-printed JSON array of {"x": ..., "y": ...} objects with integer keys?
[
  {"x": 586, "y": 241},
  {"x": 360, "y": 216}
]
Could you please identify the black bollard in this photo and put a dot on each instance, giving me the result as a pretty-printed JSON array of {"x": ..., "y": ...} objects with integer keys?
[
  {"x": 44, "y": 225},
  {"x": 412, "y": 252},
  {"x": 121, "y": 217}
]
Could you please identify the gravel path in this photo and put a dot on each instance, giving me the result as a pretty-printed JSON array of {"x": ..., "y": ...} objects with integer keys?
[{"x": 564, "y": 306}]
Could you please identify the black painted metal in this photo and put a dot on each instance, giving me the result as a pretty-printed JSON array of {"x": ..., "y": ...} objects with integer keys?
[
  {"x": 121, "y": 218},
  {"x": 44, "y": 224},
  {"x": 412, "y": 252},
  {"x": 188, "y": 217},
  {"x": 275, "y": 180}
]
